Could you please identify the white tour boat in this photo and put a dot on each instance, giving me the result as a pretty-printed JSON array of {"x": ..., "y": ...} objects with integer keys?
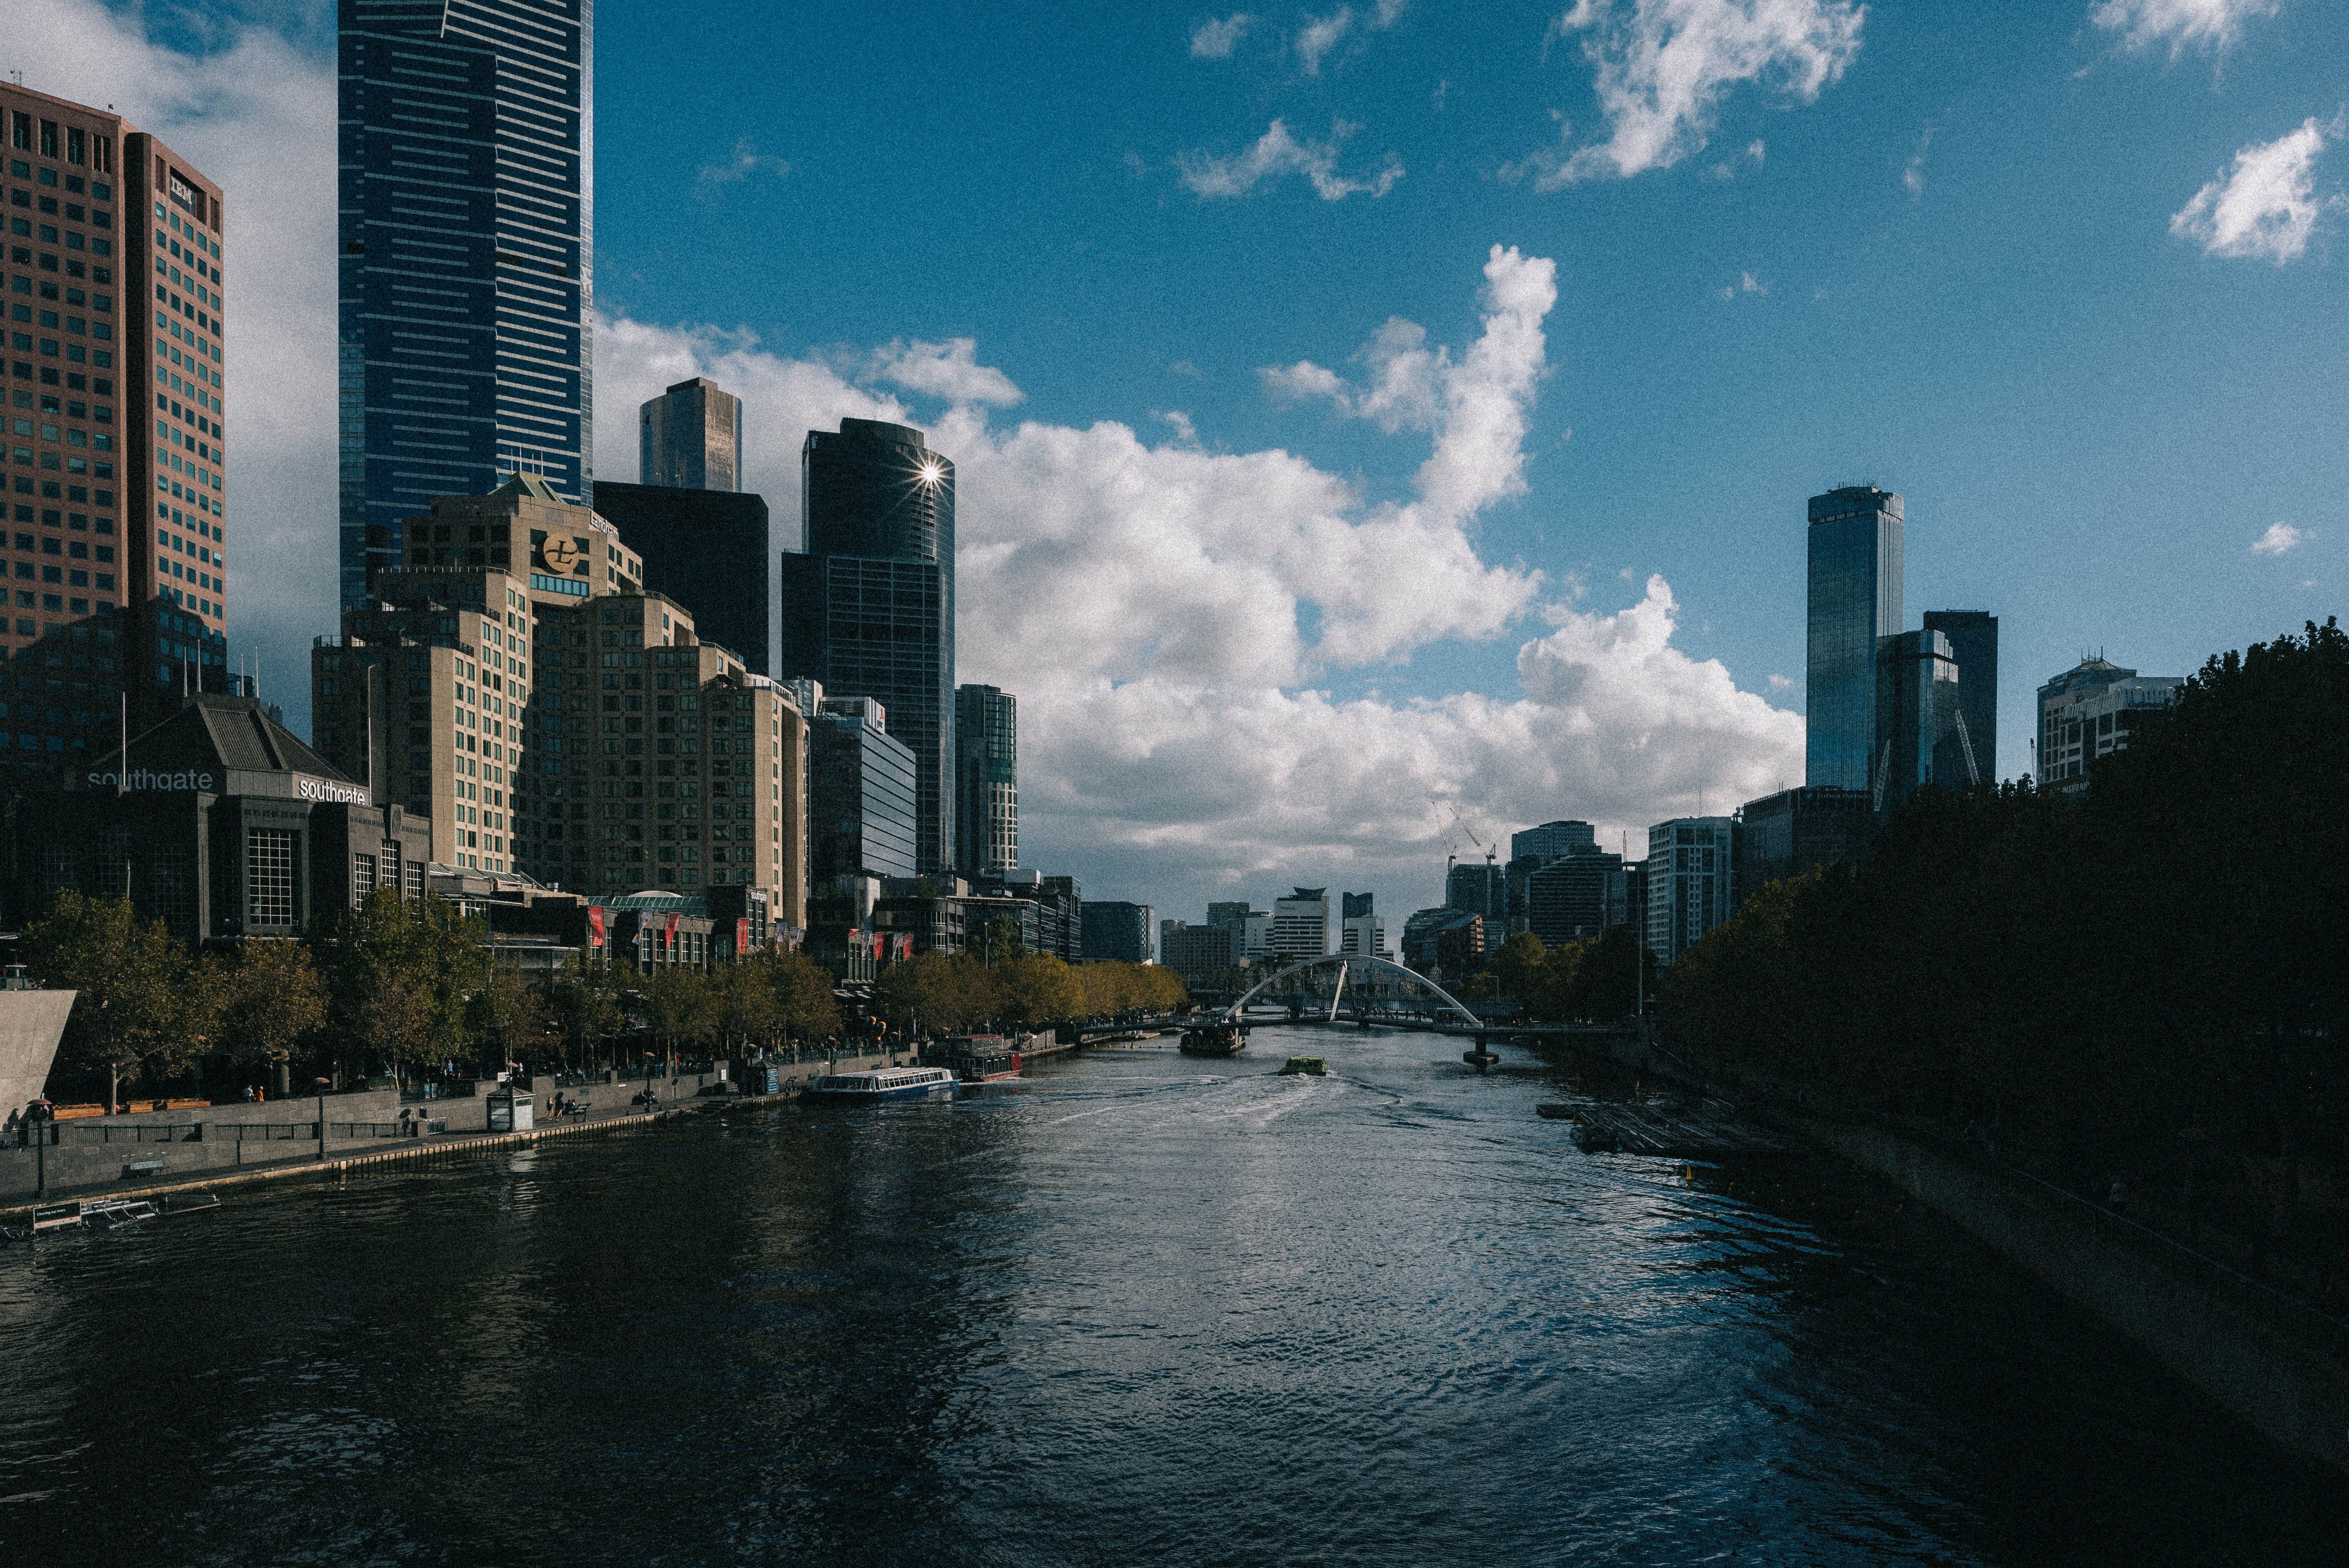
[{"x": 883, "y": 1083}]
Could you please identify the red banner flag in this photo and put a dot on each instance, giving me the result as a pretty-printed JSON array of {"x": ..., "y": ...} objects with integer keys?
[
  {"x": 595, "y": 925},
  {"x": 741, "y": 937}
]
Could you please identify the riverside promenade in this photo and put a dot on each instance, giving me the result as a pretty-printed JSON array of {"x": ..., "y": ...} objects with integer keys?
[{"x": 157, "y": 1153}]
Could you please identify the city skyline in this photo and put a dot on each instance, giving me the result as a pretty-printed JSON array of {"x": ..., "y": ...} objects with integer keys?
[{"x": 1180, "y": 745}]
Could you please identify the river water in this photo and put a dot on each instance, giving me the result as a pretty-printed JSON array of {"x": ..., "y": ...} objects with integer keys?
[{"x": 1139, "y": 1308}]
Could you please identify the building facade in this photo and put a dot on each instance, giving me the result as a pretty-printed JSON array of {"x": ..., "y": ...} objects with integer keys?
[
  {"x": 1690, "y": 882},
  {"x": 465, "y": 259},
  {"x": 1118, "y": 930},
  {"x": 987, "y": 780},
  {"x": 554, "y": 719},
  {"x": 1974, "y": 642},
  {"x": 1917, "y": 718},
  {"x": 1576, "y": 897},
  {"x": 1200, "y": 954},
  {"x": 690, "y": 438},
  {"x": 860, "y": 793},
  {"x": 2088, "y": 712},
  {"x": 1444, "y": 945},
  {"x": 95, "y": 207},
  {"x": 868, "y": 601},
  {"x": 1856, "y": 554},
  {"x": 1479, "y": 888},
  {"x": 1301, "y": 926},
  {"x": 706, "y": 548},
  {"x": 1360, "y": 929},
  {"x": 1553, "y": 842},
  {"x": 1784, "y": 835}
]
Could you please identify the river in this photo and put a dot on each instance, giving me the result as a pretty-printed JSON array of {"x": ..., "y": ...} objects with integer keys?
[{"x": 1139, "y": 1308}]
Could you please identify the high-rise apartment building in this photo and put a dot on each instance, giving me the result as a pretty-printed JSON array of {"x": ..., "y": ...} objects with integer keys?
[
  {"x": 868, "y": 601},
  {"x": 706, "y": 548},
  {"x": 1301, "y": 924},
  {"x": 465, "y": 248},
  {"x": 1919, "y": 734},
  {"x": 1974, "y": 642},
  {"x": 1552, "y": 842},
  {"x": 2088, "y": 712},
  {"x": 1480, "y": 888},
  {"x": 860, "y": 793},
  {"x": 515, "y": 684},
  {"x": 1576, "y": 897},
  {"x": 987, "y": 780},
  {"x": 104, "y": 597},
  {"x": 1786, "y": 834},
  {"x": 1855, "y": 542},
  {"x": 690, "y": 438},
  {"x": 1690, "y": 882},
  {"x": 1117, "y": 930},
  {"x": 1362, "y": 929}
]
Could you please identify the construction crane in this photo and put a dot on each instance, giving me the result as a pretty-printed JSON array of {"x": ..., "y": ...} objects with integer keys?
[
  {"x": 1492, "y": 850},
  {"x": 1450, "y": 845}
]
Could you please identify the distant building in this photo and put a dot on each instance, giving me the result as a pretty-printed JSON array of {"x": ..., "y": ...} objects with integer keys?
[
  {"x": 690, "y": 438},
  {"x": 1690, "y": 882},
  {"x": 1478, "y": 888},
  {"x": 1231, "y": 910},
  {"x": 868, "y": 603},
  {"x": 1251, "y": 929},
  {"x": 2088, "y": 712},
  {"x": 1200, "y": 954},
  {"x": 1302, "y": 927},
  {"x": 704, "y": 547},
  {"x": 1552, "y": 842},
  {"x": 1361, "y": 931},
  {"x": 861, "y": 783},
  {"x": 1443, "y": 944},
  {"x": 1787, "y": 834},
  {"x": 987, "y": 780},
  {"x": 1917, "y": 718},
  {"x": 1856, "y": 542},
  {"x": 1973, "y": 640},
  {"x": 1113, "y": 930},
  {"x": 1576, "y": 897}
]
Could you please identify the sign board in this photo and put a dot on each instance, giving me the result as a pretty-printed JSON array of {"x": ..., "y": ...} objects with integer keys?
[
  {"x": 147, "y": 779},
  {"x": 327, "y": 791}
]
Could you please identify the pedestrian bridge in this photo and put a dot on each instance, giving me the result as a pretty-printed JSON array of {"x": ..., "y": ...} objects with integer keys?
[{"x": 1378, "y": 991}]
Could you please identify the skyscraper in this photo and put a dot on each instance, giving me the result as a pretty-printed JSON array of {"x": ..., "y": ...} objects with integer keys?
[
  {"x": 465, "y": 249},
  {"x": 690, "y": 438},
  {"x": 1690, "y": 882},
  {"x": 92, "y": 586},
  {"x": 1855, "y": 599},
  {"x": 987, "y": 780},
  {"x": 1480, "y": 888},
  {"x": 2088, "y": 712},
  {"x": 706, "y": 548},
  {"x": 1113, "y": 928},
  {"x": 1973, "y": 641},
  {"x": 860, "y": 793},
  {"x": 1916, "y": 731},
  {"x": 1552, "y": 841},
  {"x": 868, "y": 601}
]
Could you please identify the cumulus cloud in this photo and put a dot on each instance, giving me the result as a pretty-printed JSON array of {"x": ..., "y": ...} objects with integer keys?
[
  {"x": 1276, "y": 153},
  {"x": 2279, "y": 537},
  {"x": 1215, "y": 39},
  {"x": 1662, "y": 69},
  {"x": 1320, "y": 34},
  {"x": 1914, "y": 177},
  {"x": 745, "y": 162},
  {"x": 2265, "y": 205},
  {"x": 2212, "y": 26},
  {"x": 1405, "y": 379},
  {"x": 1175, "y": 720},
  {"x": 949, "y": 370}
]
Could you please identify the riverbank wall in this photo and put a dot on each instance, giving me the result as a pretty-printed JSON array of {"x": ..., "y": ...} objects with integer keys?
[{"x": 2278, "y": 1365}]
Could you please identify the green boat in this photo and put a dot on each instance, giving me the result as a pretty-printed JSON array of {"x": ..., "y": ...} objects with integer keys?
[{"x": 1310, "y": 1066}]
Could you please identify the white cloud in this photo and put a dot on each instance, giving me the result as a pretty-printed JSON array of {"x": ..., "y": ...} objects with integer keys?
[
  {"x": 1747, "y": 284},
  {"x": 1406, "y": 390},
  {"x": 1914, "y": 177},
  {"x": 2213, "y": 25},
  {"x": 949, "y": 370},
  {"x": 1320, "y": 34},
  {"x": 1781, "y": 683},
  {"x": 2265, "y": 205},
  {"x": 1276, "y": 153},
  {"x": 745, "y": 162},
  {"x": 2279, "y": 537},
  {"x": 1215, "y": 39},
  {"x": 1662, "y": 70}
]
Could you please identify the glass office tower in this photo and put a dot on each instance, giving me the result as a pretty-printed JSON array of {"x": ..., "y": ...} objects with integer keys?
[
  {"x": 987, "y": 780},
  {"x": 1917, "y": 697},
  {"x": 868, "y": 601},
  {"x": 1854, "y": 600},
  {"x": 465, "y": 247},
  {"x": 690, "y": 438},
  {"x": 1973, "y": 641}
]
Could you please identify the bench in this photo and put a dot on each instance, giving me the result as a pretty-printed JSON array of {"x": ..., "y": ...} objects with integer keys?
[{"x": 142, "y": 1168}]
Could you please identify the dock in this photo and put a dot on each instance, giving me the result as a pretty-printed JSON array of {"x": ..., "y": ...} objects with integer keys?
[{"x": 1705, "y": 1131}]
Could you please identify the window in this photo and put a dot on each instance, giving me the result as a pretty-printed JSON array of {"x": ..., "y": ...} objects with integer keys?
[{"x": 269, "y": 877}]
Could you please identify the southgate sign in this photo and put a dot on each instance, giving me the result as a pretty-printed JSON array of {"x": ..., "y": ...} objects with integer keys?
[
  {"x": 308, "y": 789},
  {"x": 141, "y": 778}
]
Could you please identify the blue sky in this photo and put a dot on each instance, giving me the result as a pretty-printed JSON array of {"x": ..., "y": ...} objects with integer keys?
[{"x": 1962, "y": 252}]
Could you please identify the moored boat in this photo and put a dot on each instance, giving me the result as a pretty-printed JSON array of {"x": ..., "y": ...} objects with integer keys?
[
  {"x": 883, "y": 1083},
  {"x": 980, "y": 1059},
  {"x": 1222, "y": 1038}
]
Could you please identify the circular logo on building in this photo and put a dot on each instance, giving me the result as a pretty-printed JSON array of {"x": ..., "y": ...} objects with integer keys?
[{"x": 558, "y": 556}]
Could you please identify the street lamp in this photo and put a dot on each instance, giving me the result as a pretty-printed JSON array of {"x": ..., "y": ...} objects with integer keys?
[{"x": 323, "y": 1084}]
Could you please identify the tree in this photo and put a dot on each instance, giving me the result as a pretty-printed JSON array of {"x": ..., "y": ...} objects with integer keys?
[
  {"x": 680, "y": 1006},
  {"x": 508, "y": 1015},
  {"x": 803, "y": 988},
  {"x": 272, "y": 1000},
  {"x": 141, "y": 1007},
  {"x": 585, "y": 1000},
  {"x": 1038, "y": 989},
  {"x": 401, "y": 976}
]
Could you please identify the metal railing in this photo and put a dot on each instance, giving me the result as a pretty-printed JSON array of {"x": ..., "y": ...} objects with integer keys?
[{"x": 107, "y": 1131}]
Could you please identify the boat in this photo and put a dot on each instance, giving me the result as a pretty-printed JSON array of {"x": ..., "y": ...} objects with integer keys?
[
  {"x": 116, "y": 1213},
  {"x": 979, "y": 1058},
  {"x": 1223, "y": 1038},
  {"x": 1304, "y": 1067},
  {"x": 883, "y": 1083}
]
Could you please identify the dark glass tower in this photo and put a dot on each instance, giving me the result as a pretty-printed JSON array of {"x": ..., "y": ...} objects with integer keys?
[
  {"x": 987, "y": 780},
  {"x": 705, "y": 549},
  {"x": 868, "y": 600},
  {"x": 1973, "y": 640},
  {"x": 1917, "y": 696},
  {"x": 465, "y": 244},
  {"x": 1854, "y": 600}
]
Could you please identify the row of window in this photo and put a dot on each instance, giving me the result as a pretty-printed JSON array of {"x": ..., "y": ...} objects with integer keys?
[
  {"x": 73, "y": 212},
  {"x": 77, "y": 548}
]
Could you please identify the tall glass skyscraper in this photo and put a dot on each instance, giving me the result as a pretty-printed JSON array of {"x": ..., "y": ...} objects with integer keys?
[
  {"x": 987, "y": 780},
  {"x": 1855, "y": 599},
  {"x": 466, "y": 224},
  {"x": 1973, "y": 640},
  {"x": 868, "y": 602}
]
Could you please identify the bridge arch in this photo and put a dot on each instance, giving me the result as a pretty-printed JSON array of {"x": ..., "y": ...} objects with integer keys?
[{"x": 1343, "y": 960}]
